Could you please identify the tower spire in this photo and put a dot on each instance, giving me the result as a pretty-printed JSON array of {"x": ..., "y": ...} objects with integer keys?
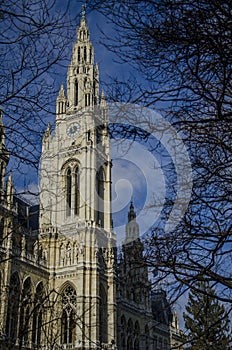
[{"x": 83, "y": 78}]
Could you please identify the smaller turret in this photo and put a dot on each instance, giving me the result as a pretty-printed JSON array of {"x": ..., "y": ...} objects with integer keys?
[
  {"x": 103, "y": 100},
  {"x": 10, "y": 191},
  {"x": 61, "y": 101},
  {"x": 46, "y": 137}
]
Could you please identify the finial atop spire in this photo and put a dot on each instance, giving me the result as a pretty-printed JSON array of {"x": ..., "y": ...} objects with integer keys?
[
  {"x": 83, "y": 10},
  {"x": 61, "y": 92}
]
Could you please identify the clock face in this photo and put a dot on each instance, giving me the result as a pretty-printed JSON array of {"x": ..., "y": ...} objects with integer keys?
[{"x": 73, "y": 129}]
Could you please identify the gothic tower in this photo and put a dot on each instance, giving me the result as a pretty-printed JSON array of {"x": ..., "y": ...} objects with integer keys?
[
  {"x": 133, "y": 298},
  {"x": 76, "y": 240}
]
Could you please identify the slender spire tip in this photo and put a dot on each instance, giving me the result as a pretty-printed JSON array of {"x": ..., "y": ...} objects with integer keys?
[{"x": 83, "y": 10}]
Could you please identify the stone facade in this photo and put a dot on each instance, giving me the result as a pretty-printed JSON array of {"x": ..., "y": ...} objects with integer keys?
[{"x": 61, "y": 283}]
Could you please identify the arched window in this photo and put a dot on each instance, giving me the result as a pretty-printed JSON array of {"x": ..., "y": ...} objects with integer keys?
[
  {"x": 76, "y": 93},
  {"x": 72, "y": 190},
  {"x": 13, "y": 306},
  {"x": 130, "y": 343},
  {"x": 103, "y": 332},
  {"x": 25, "y": 310},
  {"x": 69, "y": 303},
  {"x": 37, "y": 315},
  {"x": 137, "y": 335},
  {"x": 68, "y": 192},
  {"x": 85, "y": 54},
  {"x": 79, "y": 54},
  {"x": 77, "y": 192},
  {"x": 100, "y": 197}
]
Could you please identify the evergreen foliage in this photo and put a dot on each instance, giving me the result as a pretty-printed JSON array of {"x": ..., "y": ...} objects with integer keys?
[{"x": 206, "y": 321}]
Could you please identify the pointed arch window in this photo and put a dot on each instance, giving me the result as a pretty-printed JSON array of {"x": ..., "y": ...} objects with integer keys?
[
  {"x": 68, "y": 316},
  {"x": 137, "y": 335},
  {"x": 130, "y": 338},
  {"x": 13, "y": 306},
  {"x": 25, "y": 310},
  {"x": 76, "y": 93},
  {"x": 68, "y": 191},
  {"x": 72, "y": 190},
  {"x": 37, "y": 315},
  {"x": 77, "y": 192},
  {"x": 100, "y": 197},
  {"x": 85, "y": 53},
  {"x": 79, "y": 54}
]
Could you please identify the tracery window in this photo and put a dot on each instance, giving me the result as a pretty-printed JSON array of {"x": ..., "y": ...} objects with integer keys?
[
  {"x": 72, "y": 185},
  {"x": 69, "y": 191},
  {"x": 77, "y": 192},
  {"x": 13, "y": 306},
  {"x": 69, "y": 304}
]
